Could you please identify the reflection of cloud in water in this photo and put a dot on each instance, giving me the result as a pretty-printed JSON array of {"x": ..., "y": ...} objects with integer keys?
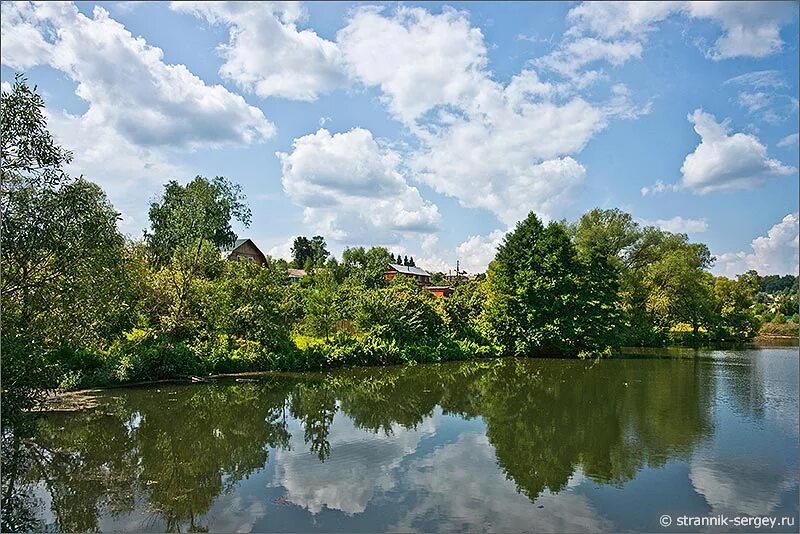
[
  {"x": 360, "y": 464},
  {"x": 752, "y": 486},
  {"x": 753, "y": 461},
  {"x": 781, "y": 385},
  {"x": 460, "y": 488}
]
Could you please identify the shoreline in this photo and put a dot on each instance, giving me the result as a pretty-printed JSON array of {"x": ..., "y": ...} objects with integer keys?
[{"x": 86, "y": 399}]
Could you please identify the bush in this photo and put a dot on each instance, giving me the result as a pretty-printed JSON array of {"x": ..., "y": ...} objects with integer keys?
[
  {"x": 81, "y": 368},
  {"x": 145, "y": 355}
]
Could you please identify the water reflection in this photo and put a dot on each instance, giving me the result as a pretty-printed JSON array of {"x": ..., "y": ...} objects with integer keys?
[{"x": 489, "y": 445}]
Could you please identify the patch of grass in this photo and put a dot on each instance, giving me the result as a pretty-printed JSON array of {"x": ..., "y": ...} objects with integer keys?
[{"x": 303, "y": 342}]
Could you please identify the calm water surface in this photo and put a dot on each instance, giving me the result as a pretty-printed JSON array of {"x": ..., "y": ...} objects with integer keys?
[{"x": 494, "y": 445}]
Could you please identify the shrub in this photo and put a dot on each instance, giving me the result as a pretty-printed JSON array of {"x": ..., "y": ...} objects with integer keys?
[{"x": 145, "y": 355}]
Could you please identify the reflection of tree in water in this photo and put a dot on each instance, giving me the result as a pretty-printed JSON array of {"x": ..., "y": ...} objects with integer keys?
[
  {"x": 314, "y": 405},
  {"x": 189, "y": 445},
  {"x": 179, "y": 448},
  {"x": 547, "y": 417},
  {"x": 611, "y": 419}
]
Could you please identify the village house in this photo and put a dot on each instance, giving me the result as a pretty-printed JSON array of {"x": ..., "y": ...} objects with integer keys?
[
  {"x": 244, "y": 250},
  {"x": 440, "y": 292},
  {"x": 295, "y": 274},
  {"x": 422, "y": 276}
]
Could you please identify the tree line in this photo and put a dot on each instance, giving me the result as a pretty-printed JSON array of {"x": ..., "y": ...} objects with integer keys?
[{"x": 83, "y": 305}]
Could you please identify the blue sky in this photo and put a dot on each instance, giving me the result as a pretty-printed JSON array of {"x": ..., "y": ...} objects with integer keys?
[{"x": 432, "y": 128}]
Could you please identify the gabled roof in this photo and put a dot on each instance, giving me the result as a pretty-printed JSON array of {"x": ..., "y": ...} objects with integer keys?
[
  {"x": 236, "y": 244},
  {"x": 405, "y": 269},
  {"x": 297, "y": 273}
]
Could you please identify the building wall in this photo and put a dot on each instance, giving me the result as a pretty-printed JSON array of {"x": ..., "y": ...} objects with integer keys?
[{"x": 246, "y": 251}]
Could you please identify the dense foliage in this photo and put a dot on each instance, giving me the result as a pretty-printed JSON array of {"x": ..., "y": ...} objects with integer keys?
[{"x": 82, "y": 306}]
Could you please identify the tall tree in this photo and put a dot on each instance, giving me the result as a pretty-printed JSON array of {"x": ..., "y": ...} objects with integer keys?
[
  {"x": 189, "y": 215},
  {"x": 63, "y": 278},
  {"x": 308, "y": 253},
  {"x": 188, "y": 226},
  {"x": 533, "y": 291}
]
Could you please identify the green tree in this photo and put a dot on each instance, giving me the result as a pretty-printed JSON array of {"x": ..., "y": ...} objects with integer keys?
[
  {"x": 680, "y": 290},
  {"x": 63, "y": 276},
  {"x": 366, "y": 267},
  {"x": 190, "y": 215},
  {"x": 189, "y": 224},
  {"x": 733, "y": 309},
  {"x": 322, "y": 304},
  {"x": 308, "y": 253},
  {"x": 533, "y": 291}
]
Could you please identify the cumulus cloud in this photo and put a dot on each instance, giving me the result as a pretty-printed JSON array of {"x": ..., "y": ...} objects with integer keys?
[
  {"x": 266, "y": 52},
  {"x": 477, "y": 251},
  {"x": 659, "y": 187},
  {"x": 365, "y": 465},
  {"x": 129, "y": 174},
  {"x": 24, "y": 45},
  {"x": 419, "y": 60},
  {"x": 126, "y": 83},
  {"x": 506, "y": 148},
  {"x": 775, "y": 253},
  {"x": 611, "y": 19},
  {"x": 751, "y": 29},
  {"x": 503, "y": 508},
  {"x": 723, "y": 162},
  {"x": 141, "y": 111},
  {"x": 572, "y": 56},
  {"x": 352, "y": 188}
]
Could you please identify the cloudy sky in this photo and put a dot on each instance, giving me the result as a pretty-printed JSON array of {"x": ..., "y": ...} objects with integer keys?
[{"x": 432, "y": 128}]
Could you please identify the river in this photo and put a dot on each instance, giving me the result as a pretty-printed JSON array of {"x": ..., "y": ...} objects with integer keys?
[{"x": 488, "y": 445}]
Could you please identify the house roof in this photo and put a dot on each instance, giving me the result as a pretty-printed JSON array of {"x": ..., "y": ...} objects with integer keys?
[
  {"x": 405, "y": 269},
  {"x": 236, "y": 244},
  {"x": 296, "y": 272}
]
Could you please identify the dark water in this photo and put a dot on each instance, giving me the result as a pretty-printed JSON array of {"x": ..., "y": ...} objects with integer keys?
[{"x": 493, "y": 445}]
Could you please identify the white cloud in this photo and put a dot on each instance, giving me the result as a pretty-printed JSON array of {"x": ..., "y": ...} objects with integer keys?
[
  {"x": 502, "y": 507},
  {"x": 507, "y": 148},
  {"x": 363, "y": 464},
  {"x": 130, "y": 175},
  {"x": 659, "y": 187},
  {"x": 611, "y": 19},
  {"x": 789, "y": 140},
  {"x": 129, "y": 87},
  {"x": 266, "y": 52},
  {"x": 419, "y": 60},
  {"x": 679, "y": 225},
  {"x": 775, "y": 253},
  {"x": 762, "y": 95},
  {"x": 752, "y": 29},
  {"x": 477, "y": 251},
  {"x": 282, "y": 250},
  {"x": 352, "y": 188},
  {"x": 23, "y": 44},
  {"x": 723, "y": 162},
  {"x": 572, "y": 56}
]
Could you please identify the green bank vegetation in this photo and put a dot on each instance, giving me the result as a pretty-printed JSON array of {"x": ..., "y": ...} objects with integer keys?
[{"x": 82, "y": 305}]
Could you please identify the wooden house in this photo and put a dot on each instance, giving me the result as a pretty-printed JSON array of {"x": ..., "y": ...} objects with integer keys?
[
  {"x": 295, "y": 274},
  {"x": 440, "y": 292},
  {"x": 422, "y": 276},
  {"x": 244, "y": 250}
]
